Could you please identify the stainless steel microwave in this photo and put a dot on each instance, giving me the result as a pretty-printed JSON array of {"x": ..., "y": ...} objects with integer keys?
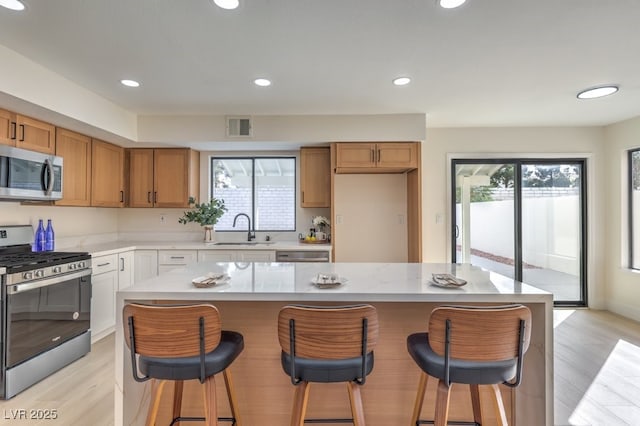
[{"x": 29, "y": 175}]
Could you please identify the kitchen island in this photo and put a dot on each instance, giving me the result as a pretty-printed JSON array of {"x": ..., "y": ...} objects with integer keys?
[{"x": 402, "y": 293}]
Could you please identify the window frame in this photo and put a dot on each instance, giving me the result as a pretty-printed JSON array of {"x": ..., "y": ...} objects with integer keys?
[
  {"x": 253, "y": 159},
  {"x": 630, "y": 211}
]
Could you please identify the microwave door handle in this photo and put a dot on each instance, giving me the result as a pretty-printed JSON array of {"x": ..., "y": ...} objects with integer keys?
[{"x": 47, "y": 177}]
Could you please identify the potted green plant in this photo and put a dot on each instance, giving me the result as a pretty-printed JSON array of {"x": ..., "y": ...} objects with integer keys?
[{"x": 206, "y": 214}]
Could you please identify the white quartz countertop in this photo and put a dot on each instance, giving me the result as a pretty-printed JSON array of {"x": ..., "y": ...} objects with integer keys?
[
  {"x": 113, "y": 247},
  {"x": 363, "y": 282}
]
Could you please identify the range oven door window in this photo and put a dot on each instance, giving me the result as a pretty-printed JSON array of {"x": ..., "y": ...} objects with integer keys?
[{"x": 42, "y": 317}]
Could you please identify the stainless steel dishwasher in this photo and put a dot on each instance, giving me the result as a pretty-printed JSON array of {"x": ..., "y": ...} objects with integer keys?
[{"x": 303, "y": 256}]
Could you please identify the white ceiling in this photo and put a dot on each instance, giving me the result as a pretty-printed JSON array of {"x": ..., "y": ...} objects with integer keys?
[{"x": 488, "y": 63}]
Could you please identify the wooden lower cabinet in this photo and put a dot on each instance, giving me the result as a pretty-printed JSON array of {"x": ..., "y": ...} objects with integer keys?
[{"x": 75, "y": 150}]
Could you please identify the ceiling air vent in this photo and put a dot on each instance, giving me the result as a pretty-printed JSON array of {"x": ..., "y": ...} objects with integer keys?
[{"x": 239, "y": 126}]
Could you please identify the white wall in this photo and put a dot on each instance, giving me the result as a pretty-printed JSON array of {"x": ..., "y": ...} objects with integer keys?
[
  {"x": 28, "y": 88},
  {"x": 73, "y": 226},
  {"x": 443, "y": 144},
  {"x": 623, "y": 285}
]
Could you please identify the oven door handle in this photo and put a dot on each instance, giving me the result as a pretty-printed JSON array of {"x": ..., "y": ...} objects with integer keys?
[{"x": 19, "y": 288}]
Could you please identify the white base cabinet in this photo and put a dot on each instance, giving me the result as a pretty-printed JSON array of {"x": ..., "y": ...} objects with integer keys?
[
  {"x": 146, "y": 264},
  {"x": 104, "y": 283},
  {"x": 236, "y": 256}
]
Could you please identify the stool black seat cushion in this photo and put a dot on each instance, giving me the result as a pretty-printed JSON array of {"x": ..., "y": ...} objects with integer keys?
[
  {"x": 187, "y": 368},
  {"x": 327, "y": 370},
  {"x": 468, "y": 372}
]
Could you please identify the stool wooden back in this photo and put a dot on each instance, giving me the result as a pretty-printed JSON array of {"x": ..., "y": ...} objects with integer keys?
[
  {"x": 480, "y": 333},
  {"x": 171, "y": 331},
  {"x": 328, "y": 332}
]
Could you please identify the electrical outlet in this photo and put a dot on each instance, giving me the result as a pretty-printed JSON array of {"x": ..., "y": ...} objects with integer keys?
[
  {"x": 162, "y": 218},
  {"x": 400, "y": 219},
  {"x": 338, "y": 219}
]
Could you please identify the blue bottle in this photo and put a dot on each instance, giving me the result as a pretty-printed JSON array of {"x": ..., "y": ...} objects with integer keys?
[
  {"x": 49, "y": 237},
  {"x": 39, "y": 241}
]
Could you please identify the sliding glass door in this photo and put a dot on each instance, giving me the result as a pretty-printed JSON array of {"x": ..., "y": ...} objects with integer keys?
[{"x": 524, "y": 219}]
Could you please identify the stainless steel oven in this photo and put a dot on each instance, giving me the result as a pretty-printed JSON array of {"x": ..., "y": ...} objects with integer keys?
[{"x": 46, "y": 310}]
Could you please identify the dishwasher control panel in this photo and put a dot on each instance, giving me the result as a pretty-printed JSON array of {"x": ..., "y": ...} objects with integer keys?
[{"x": 302, "y": 256}]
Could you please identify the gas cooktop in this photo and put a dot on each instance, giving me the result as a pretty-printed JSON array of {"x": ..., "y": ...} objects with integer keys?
[{"x": 17, "y": 262}]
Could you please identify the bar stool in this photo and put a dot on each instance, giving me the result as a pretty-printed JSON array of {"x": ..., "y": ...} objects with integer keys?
[
  {"x": 327, "y": 345},
  {"x": 177, "y": 343},
  {"x": 471, "y": 345}
]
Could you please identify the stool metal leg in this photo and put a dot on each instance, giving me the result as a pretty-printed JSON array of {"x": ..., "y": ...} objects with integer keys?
[
  {"x": 210, "y": 406},
  {"x": 154, "y": 404},
  {"x": 475, "y": 403},
  {"x": 231, "y": 395},
  {"x": 442, "y": 404},
  {"x": 501, "y": 415},
  {"x": 177, "y": 398},
  {"x": 417, "y": 406},
  {"x": 357, "y": 411},
  {"x": 300, "y": 404}
]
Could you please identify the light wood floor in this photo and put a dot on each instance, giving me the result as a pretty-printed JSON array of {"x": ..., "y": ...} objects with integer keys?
[{"x": 597, "y": 378}]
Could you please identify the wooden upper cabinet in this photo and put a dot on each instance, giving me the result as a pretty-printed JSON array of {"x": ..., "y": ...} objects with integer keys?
[
  {"x": 107, "y": 170},
  {"x": 315, "y": 177},
  {"x": 75, "y": 150},
  {"x": 35, "y": 135},
  {"x": 163, "y": 177},
  {"x": 140, "y": 177},
  {"x": 385, "y": 157},
  {"x": 7, "y": 128}
]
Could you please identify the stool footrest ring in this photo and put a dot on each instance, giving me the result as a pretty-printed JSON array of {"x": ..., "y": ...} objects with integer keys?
[
  {"x": 201, "y": 419},
  {"x": 450, "y": 422},
  {"x": 328, "y": 420}
]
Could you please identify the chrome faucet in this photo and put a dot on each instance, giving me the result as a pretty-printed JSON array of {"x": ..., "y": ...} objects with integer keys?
[{"x": 250, "y": 235}]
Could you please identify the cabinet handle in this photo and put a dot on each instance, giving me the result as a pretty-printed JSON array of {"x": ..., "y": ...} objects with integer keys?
[
  {"x": 155, "y": 197},
  {"x": 121, "y": 264},
  {"x": 22, "y": 133},
  {"x": 122, "y": 196},
  {"x": 104, "y": 264},
  {"x": 177, "y": 257},
  {"x": 13, "y": 130},
  {"x": 378, "y": 159},
  {"x": 149, "y": 197},
  {"x": 303, "y": 196}
]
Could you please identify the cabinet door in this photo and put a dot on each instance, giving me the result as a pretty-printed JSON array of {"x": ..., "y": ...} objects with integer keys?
[
  {"x": 7, "y": 128},
  {"x": 216, "y": 256},
  {"x": 75, "y": 149},
  {"x": 107, "y": 180},
  {"x": 35, "y": 135},
  {"x": 396, "y": 155},
  {"x": 177, "y": 257},
  {"x": 103, "y": 302},
  {"x": 171, "y": 177},
  {"x": 355, "y": 155},
  {"x": 315, "y": 177},
  {"x": 146, "y": 265},
  {"x": 140, "y": 177},
  {"x": 255, "y": 256},
  {"x": 125, "y": 269}
]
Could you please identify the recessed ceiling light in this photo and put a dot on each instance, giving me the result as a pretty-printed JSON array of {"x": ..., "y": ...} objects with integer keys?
[
  {"x": 227, "y": 4},
  {"x": 597, "y": 92},
  {"x": 450, "y": 4},
  {"x": 130, "y": 83},
  {"x": 262, "y": 82},
  {"x": 12, "y": 4},
  {"x": 401, "y": 81}
]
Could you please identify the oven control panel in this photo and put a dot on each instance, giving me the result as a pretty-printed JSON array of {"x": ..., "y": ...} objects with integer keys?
[{"x": 48, "y": 272}]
